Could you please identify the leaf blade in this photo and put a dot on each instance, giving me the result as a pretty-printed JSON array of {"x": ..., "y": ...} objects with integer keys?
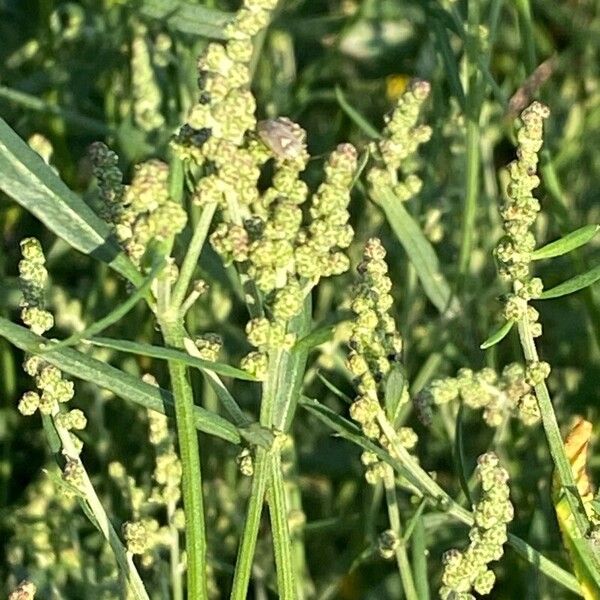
[
  {"x": 567, "y": 243},
  {"x": 122, "y": 384},
  {"x": 28, "y": 180},
  {"x": 419, "y": 250},
  {"x": 170, "y": 354},
  {"x": 573, "y": 285}
]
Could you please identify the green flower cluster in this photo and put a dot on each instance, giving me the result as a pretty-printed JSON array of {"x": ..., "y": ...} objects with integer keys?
[
  {"x": 141, "y": 212},
  {"x": 284, "y": 258},
  {"x": 33, "y": 277},
  {"x": 209, "y": 346},
  {"x": 375, "y": 345},
  {"x": 147, "y": 97},
  {"x": 511, "y": 392},
  {"x": 519, "y": 213},
  {"x": 401, "y": 138},
  {"x": 53, "y": 389},
  {"x": 468, "y": 571},
  {"x": 218, "y": 122}
]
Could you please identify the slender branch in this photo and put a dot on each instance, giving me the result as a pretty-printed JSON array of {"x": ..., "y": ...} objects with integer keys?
[
  {"x": 193, "y": 254},
  {"x": 123, "y": 557},
  {"x": 553, "y": 436},
  {"x": 472, "y": 140},
  {"x": 195, "y": 538},
  {"x": 404, "y": 567}
]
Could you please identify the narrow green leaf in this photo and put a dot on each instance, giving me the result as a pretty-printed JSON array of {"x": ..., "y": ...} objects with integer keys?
[
  {"x": 459, "y": 455},
  {"x": 188, "y": 17},
  {"x": 419, "y": 250},
  {"x": 347, "y": 430},
  {"x": 498, "y": 335},
  {"x": 319, "y": 336},
  {"x": 355, "y": 116},
  {"x": 567, "y": 243},
  {"x": 122, "y": 384},
  {"x": 113, "y": 316},
  {"x": 28, "y": 180},
  {"x": 573, "y": 285},
  {"x": 334, "y": 389},
  {"x": 170, "y": 354},
  {"x": 394, "y": 389}
]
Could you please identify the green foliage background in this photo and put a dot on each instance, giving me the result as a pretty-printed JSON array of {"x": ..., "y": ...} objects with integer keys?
[{"x": 66, "y": 73}]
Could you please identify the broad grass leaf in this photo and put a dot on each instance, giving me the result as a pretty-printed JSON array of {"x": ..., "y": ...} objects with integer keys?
[
  {"x": 419, "y": 250},
  {"x": 188, "y": 17},
  {"x": 122, "y": 384},
  {"x": 567, "y": 243},
  {"x": 28, "y": 180}
]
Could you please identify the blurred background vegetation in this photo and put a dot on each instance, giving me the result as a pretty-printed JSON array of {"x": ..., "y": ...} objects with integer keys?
[{"x": 125, "y": 72}]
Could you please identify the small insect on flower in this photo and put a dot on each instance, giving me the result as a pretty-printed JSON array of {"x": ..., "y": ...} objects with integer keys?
[{"x": 286, "y": 139}]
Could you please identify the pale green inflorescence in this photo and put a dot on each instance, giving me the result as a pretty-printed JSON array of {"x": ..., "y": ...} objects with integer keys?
[
  {"x": 499, "y": 396},
  {"x": 263, "y": 232},
  {"x": 402, "y": 136},
  {"x": 147, "y": 97},
  {"x": 375, "y": 346},
  {"x": 52, "y": 388},
  {"x": 468, "y": 571},
  {"x": 141, "y": 212},
  {"x": 519, "y": 213}
]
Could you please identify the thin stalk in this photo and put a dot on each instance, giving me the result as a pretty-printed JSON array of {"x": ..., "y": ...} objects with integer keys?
[
  {"x": 193, "y": 254},
  {"x": 404, "y": 568},
  {"x": 419, "y": 557},
  {"x": 245, "y": 557},
  {"x": 472, "y": 141},
  {"x": 195, "y": 539},
  {"x": 553, "y": 436},
  {"x": 124, "y": 559},
  {"x": 287, "y": 580}
]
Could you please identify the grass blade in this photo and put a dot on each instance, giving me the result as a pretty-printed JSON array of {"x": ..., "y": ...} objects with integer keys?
[
  {"x": 122, "y": 384},
  {"x": 355, "y": 116},
  {"x": 567, "y": 243},
  {"x": 573, "y": 285},
  {"x": 419, "y": 250},
  {"x": 28, "y": 180},
  {"x": 188, "y": 17},
  {"x": 498, "y": 335},
  {"x": 113, "y": 316},
  {"x": 170, "y": 354}
]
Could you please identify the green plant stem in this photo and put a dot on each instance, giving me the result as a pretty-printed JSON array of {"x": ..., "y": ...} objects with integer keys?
[
  {"x": 288, "y": 584},
  {"x": 553, "y": 436},
  {"x": 193, "y": 254},
  {"x": 404, "y": 568},
  {"x": 173, "y": 332},
  {"x": 472, "y": 141},
  {"x": 245, "y": 557},
  {"x": 89, "y": 496},
  {"x": 419, "y": 556}
]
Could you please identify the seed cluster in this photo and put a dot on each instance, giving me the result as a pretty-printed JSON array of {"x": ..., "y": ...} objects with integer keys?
[
  {"x": 147, "y": 97},
  {"x": 511, "y": 392},
  {"x": 401, "y": 138},
  {"x": 468, "y": 571},
  {"x": 33, "y": 277},
  {"x": 141, "y": 212},
  {"x": 375, "y": 345},
  {"x": 52, "y": 388},
  {"x": 519, "y": 213}
]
